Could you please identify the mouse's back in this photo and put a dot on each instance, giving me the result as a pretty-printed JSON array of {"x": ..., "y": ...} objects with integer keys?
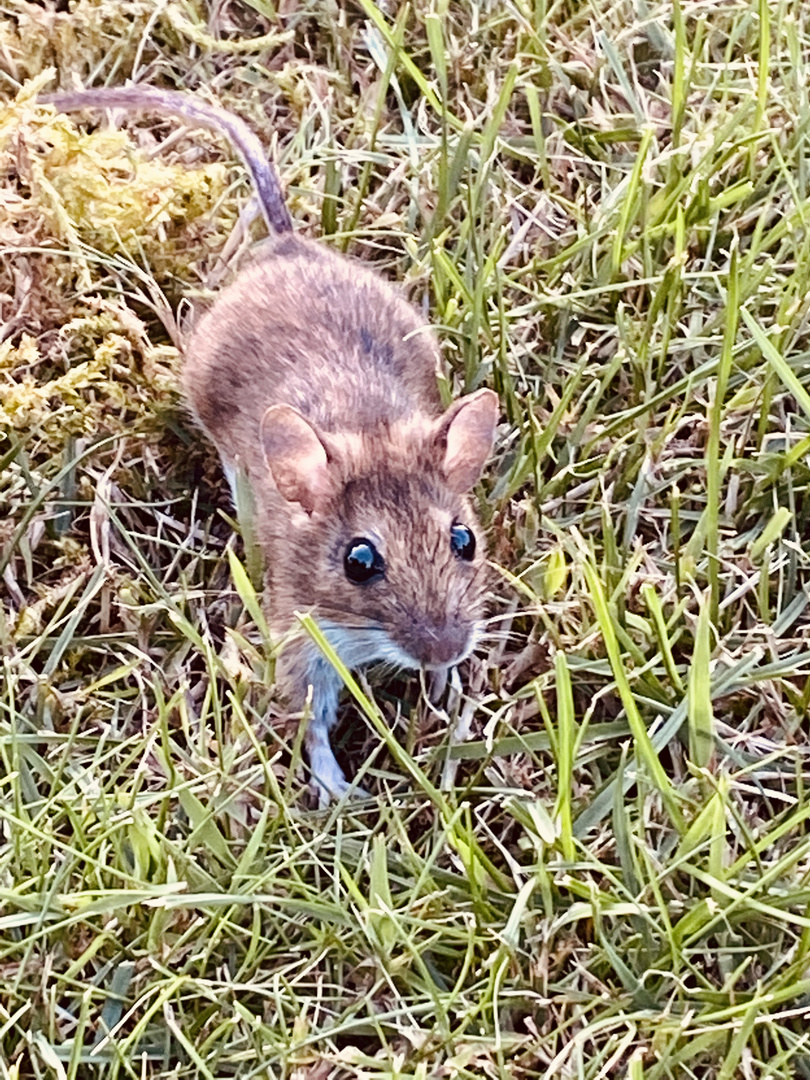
[{"x": 307, "y": 327}]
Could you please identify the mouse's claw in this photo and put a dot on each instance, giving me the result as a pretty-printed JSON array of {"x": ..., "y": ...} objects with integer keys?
[
  {"x": 328, "y": 782},
  {"x": 335, "y": 789}
]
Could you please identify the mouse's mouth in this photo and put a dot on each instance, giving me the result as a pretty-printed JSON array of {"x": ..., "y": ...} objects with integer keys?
[
  {"x": 435, "y": 650},
  {"x": 364, "y": 645}
]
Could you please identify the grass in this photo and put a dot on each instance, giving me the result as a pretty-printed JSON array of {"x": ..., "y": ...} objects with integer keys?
[{"x": 590, "y": 859}]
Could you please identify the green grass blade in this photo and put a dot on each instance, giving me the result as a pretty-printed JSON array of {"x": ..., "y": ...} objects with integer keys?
[
  {"x": 701, "y": 715},
  {"x": 644, "y": 748}
]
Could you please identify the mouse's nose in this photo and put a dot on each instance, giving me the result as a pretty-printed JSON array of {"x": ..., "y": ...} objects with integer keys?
[{"x": 434, "y": 645}]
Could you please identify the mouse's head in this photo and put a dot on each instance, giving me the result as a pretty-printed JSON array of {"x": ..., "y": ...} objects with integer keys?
[{"x": 382, "y": 544}]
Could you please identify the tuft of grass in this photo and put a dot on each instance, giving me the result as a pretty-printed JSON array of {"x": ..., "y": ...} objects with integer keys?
[{"x": 589, "y": 858}]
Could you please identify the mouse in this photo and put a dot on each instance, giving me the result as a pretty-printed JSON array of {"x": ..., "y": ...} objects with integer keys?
[{"x": 316, "y": 379}]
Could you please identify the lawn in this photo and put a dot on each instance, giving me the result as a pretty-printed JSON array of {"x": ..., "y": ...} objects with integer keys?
[{"x": 590, "y": 858}]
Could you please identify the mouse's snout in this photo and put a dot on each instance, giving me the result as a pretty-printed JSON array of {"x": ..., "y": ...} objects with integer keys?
[{"x": 438, "y": 644}]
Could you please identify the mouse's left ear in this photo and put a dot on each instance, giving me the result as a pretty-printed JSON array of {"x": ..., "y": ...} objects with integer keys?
[
  {"x": 296, "y": 455},
  {"x": 464, "y": 438}
]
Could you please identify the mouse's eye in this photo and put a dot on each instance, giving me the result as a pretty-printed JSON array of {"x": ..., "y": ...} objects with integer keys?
[
  {"x": 462, "y": 542},
  {"x": 362, "y": 562}
]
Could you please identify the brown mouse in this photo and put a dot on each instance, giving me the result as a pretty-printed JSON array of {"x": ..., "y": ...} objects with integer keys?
[{"x": 315, "y": 377}]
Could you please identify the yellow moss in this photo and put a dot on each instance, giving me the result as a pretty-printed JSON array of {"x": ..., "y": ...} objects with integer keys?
[
  {"x": 85, "y": 329},
  {"x": 91, "y": 35},
  {"x": 25, "y": 354},
  {"x": 72, "y": 403},
  {"x": 98, "y": 190},
  {"x": 101, "y": 190},
  {"x": 114, "y": 196},
  {"x": 20, "y": 111}
]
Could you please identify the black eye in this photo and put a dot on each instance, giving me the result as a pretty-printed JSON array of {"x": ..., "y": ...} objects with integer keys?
[
  {"x": 462, "y": 542},
  {"x": 362, "y": 562}
]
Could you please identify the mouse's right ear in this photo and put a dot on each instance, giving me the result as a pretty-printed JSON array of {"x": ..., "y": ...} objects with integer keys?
[
  {"x": 297, "y": 458},
  {"x": 464, "y": 438}
]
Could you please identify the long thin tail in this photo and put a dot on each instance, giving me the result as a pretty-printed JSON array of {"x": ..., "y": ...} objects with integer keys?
[{"x": 195, "y": 113}]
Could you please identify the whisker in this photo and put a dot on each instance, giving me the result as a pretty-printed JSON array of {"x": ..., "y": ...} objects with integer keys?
[
  {"x": 503, "y": 616},
  {"x": 339, "y": 615},
  {"x": 502, "y": 635}
]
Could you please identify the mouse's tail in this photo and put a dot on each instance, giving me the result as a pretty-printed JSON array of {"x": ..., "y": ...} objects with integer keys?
[{"x": 196, "y": 113}]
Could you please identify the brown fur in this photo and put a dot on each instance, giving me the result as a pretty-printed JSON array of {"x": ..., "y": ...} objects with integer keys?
[
  {"x": 316, "y": 378},
  {"x": 303, "y": 327},
  {"x": 390, "y": 491}
]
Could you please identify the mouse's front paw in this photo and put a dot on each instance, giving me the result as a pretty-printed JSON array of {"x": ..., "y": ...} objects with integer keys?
[
  {"x": 329, "y": 784},
  {"x": 335, "y": 791}
]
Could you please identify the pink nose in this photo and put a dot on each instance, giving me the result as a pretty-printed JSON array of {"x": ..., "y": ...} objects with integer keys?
[{"x": 438, "y": 646}]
